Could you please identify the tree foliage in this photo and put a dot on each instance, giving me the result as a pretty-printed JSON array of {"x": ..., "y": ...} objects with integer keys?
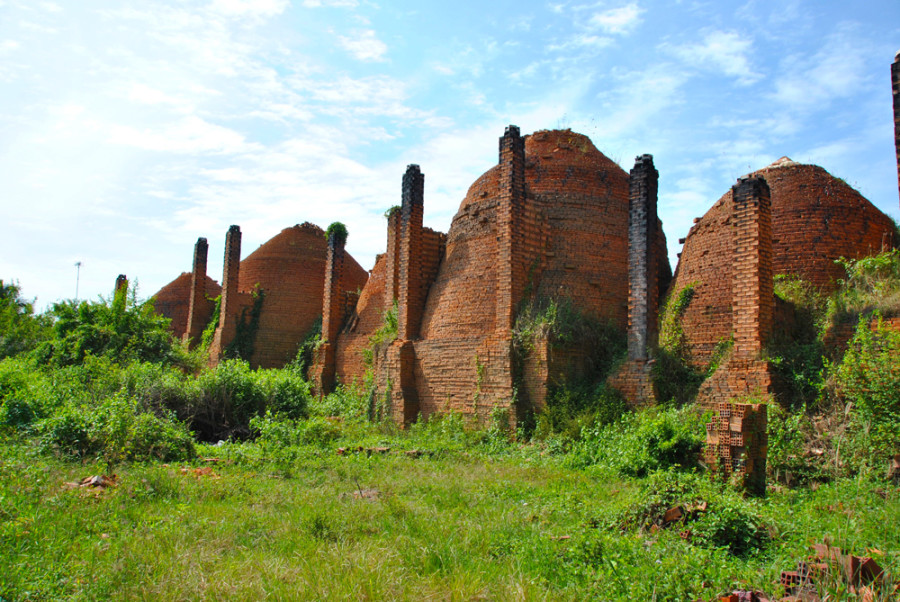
[{"x": 20, "y": 329}]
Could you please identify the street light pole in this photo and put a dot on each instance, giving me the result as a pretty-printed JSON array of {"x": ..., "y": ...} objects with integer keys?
[{"x": 77, "y": 278}]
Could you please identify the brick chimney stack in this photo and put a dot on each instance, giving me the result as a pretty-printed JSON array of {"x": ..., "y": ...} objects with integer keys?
[
  {"x": 197, "y": 304},
  {"x": 229, "y": 308},
  {"x": 411, "y": 292},
  {"x": 895, "y": 84},
  {"x": 753, "y": 294},
  {"x": 121, "y": 284},
  {"x": 643, "y": 268},
  {"x": 510, "y": 269}
]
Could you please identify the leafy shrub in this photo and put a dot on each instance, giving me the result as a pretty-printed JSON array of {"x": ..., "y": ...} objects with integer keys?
[
  {"x": 869, "y": 379},
  {"x": 277, "y": 431},
  {"x": 121, "y": 329},
  {"x": 20, "y": 329},
  {"x": 872, "y": 284},
  {"x": 561, "y": 323},
  {"x": 23, "y": 393},
  {"x": 350, "y": 403},
  {"x": 654, "y": 439},
  {"x": 788, "y": 432},
  {"x": 118, "y": 430},
  {"x": 570, "y": 408},
  {"x": 713, "y": 516},
  {"x": 231, "y": 394},
  {"x": 337, "y": 231}
]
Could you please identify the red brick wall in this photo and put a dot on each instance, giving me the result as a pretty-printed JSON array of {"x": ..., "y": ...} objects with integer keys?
[
  {"x": 290, "y": 270},
  {"x": 349, "y": 361},
  {"x": 816, "y": 218},
  {"x": 583, "y": 198},
  {"x": 173, "y": 301},
  {"x": 569, "y": 240}
]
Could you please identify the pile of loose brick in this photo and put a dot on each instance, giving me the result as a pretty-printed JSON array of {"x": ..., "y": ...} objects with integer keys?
[
  {"x": 862, "y": 576},
  {"x": 737, "y": 443}
]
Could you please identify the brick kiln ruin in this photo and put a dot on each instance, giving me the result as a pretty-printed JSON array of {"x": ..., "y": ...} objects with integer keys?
[{"x": 554, "y": 219}]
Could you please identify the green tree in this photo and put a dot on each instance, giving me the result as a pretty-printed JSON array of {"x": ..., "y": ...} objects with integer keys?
[
  {"x": 121, "y": 329},
  {"x": 20, "y": 329}
]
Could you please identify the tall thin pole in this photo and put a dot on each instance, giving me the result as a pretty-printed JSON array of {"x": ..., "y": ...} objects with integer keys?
[{"x": 77, "y": 278}]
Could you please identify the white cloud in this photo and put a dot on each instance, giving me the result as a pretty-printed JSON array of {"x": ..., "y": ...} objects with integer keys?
[
  {"x": 837, "y": 70},
  {"x": 249, "y": 8},
  {"x": 620, "y": 20},
  {"x": 723, "y": 51},
  {"x": 364, "y": 45},
  {"x": 335, "y": 3},
  {"x": 582, "y": 41},
  {"x": 189, "y": 135}
]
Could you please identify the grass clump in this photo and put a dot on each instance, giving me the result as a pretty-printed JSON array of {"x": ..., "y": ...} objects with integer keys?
[{"x": 642, "y": 443}]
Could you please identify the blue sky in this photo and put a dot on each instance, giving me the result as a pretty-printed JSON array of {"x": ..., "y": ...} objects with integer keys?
[{"x": 128, "y": 129}]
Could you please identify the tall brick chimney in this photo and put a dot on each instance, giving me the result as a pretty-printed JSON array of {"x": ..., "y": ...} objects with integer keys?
[
  {"x": 197, "y": 313},
  {"x": 230, "y": 306},
  {"x": 511, "y": 269},
  {"x": 392, "y": 284},
  {"x": 332, "y": 311},
  {"x": 121, "y": 284},
  {"x": 334, "y": 290},
  {"x": 895, "y": 85},
  {"x": 643, "y": 262},
  {"x": 411, "y": 292},
  {"x": 753, "y": 295}
]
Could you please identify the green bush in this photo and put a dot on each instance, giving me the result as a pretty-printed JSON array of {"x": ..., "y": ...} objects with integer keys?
[
  {"x": 868, "y": 378},
  {"x": 20, "y": 329},
  {"x": 23, "y": 393},
  {"x": 121, "y": 329},
  {"x": 117, "y": 430},
  {"x": 714, "y": 516},
  {"x": 231, "y": 394},
  {"x": 275, "y": 430},
  {"x": 641, "y": 443},
  {"x": 350, "y": 403},
  {"x": 570, "y": 408}
]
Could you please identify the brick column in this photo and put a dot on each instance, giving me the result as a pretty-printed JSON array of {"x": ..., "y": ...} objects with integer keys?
[
  {"x": 753, "y": 295},
  {"x": 229, "y": 307},
  {"x": 643, "y": 262},
  {"x": 333, "y": 306},
  {"x": 410, "y": 291},
  {"x": 197, "y": 308},
  {"x": 895, "y": 85},
  {"x": 332, "y": 313},
  {"x": 511, "y": 271},
  {"x": 392, "y": 284},
  {"x": 121, "y": 284}
]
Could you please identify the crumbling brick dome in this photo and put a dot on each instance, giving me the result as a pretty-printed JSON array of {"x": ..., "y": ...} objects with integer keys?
[
  {"x": 290, "y": 271},
  {"x": 816, "y": 218},
  {"x": 577, "y": 224},
  {"x": 174, "y": 299}
]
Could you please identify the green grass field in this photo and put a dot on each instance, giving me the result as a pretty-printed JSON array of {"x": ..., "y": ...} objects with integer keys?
[{"x": 461, "y": 522}]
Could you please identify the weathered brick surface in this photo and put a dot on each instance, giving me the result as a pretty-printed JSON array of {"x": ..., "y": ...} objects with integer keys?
[
  {"x": 816, "y": 219},
  {"x": 737, "y": 443},
  {"x": 551, "y": 220},
  {"x": 895, "y": 85},
  {"x": 232, "y": 301},
  {"x": 746, "y": 373},
  {"x": 290, "y": 269},
  {"x": 173, "y": 302},
  {"x": 635, "y": 378},
  {"x": 411, "y": 288},
  {"x": 392, "y": 259},
  {"x": 350, "y": 364}
]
